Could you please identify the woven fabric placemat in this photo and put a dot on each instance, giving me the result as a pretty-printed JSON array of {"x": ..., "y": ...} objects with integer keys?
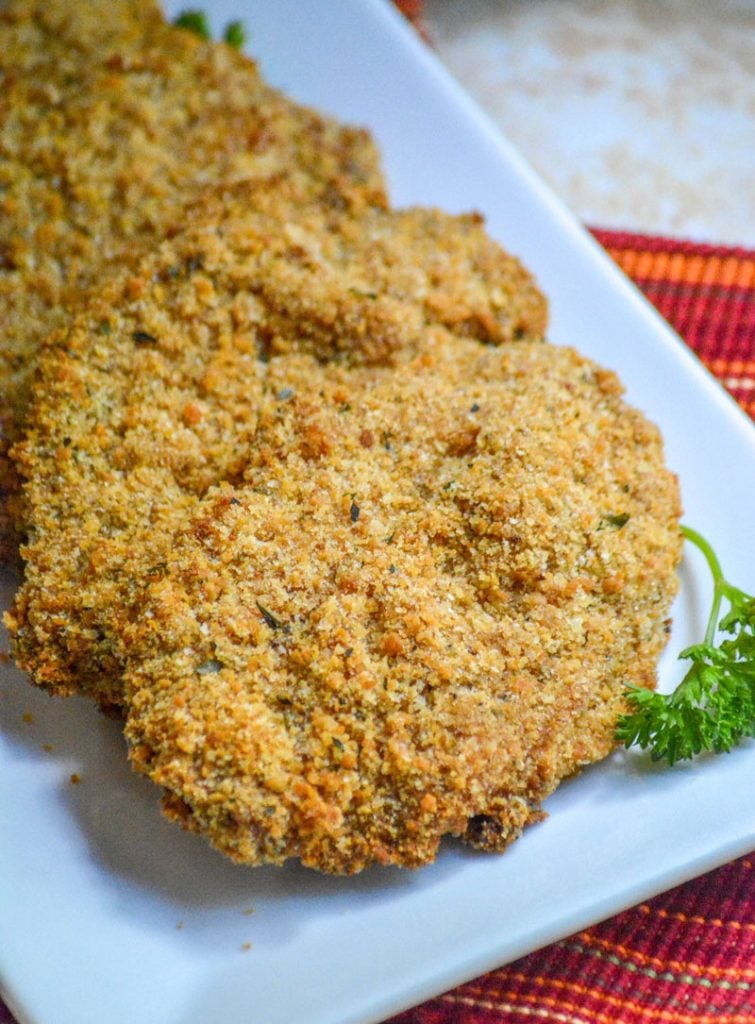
[{"x": 707, "y": 294}]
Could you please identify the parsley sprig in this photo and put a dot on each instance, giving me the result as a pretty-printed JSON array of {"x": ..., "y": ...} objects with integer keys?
[
  {"x": 196, "y": 21},
  {"x": 713, "y": 707}
]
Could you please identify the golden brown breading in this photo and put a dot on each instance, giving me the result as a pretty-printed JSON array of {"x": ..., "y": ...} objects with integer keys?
[
  {"x": 417, "y": 613},
  {"x": 151, "y": 396},
  {"x": 110, "y": 120},
  {"x": 359, "y": 572}
]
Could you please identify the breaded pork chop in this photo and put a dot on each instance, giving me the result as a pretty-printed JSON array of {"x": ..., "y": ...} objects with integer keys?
[
  {"x": 416, "y": 614},
  {"x": 152, "y": 395},
  {"x": 110, "y": 120}
]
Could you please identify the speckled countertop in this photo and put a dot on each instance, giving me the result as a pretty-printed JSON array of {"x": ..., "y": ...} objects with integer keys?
[{"x": 639, "y": 113}]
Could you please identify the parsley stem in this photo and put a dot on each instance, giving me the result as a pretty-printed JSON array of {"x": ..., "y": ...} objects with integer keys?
[
  {"x": 718, "y": 578},
  {"x": 713, "y": 707}
]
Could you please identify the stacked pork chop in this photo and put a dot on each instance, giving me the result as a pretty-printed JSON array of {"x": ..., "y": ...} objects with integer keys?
[{"x": 360, "y": 558}]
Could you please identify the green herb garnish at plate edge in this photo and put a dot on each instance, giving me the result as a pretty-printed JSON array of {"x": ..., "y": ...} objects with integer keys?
[
  {"x": 196, "y": 21},
  {"x": 713, "y": 707},
  {"x": 235, "y": 34}
]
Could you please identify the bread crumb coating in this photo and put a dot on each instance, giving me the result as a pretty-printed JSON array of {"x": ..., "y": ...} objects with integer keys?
[
  {"x": 360, "y": 559},
  {"x": 110, "y": 121},
  {"x": 415, "y": 615},
  {"x": 151, "y": 396}
]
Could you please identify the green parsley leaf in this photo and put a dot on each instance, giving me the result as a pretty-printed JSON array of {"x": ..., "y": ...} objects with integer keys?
[
  {"x": 235, "y": 34},
  {"x": 713, "y": 707},
  {"x": 194, "y": 21}
]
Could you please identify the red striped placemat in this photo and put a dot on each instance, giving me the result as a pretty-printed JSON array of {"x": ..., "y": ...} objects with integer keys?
[{"x": 706, "y": 292}]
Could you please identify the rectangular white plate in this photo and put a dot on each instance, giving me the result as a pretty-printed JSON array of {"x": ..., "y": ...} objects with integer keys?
[{"x": 109, "y": 913}]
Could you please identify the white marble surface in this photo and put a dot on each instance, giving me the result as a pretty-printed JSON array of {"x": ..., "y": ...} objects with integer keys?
[{"x": 639, "y": 113}]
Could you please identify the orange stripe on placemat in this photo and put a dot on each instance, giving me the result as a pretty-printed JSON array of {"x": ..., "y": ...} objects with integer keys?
[
  {"x": 677, "y": 267},
  {"x": 614, "y": 1005},
  {"x": 589, "y": 939},
  {"x": 722, "y": 366},
  {"x": 524, "y": 1011},
  {"x": 646, "y": 909},
  {"x": 589, "y": 1017},
  {"x": 603, "y": 992}
]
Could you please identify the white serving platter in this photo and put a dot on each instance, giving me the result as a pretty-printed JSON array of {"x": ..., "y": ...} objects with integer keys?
[{"x": 109, "y": 913}]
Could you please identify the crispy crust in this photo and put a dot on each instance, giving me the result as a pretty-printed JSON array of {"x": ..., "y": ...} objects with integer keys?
[
  {"x": 151, "y": 396},
  {"x": 361, "y": 560},
  {"x": 110, "y": 120},
  {"x": 415, "y": 616}
]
